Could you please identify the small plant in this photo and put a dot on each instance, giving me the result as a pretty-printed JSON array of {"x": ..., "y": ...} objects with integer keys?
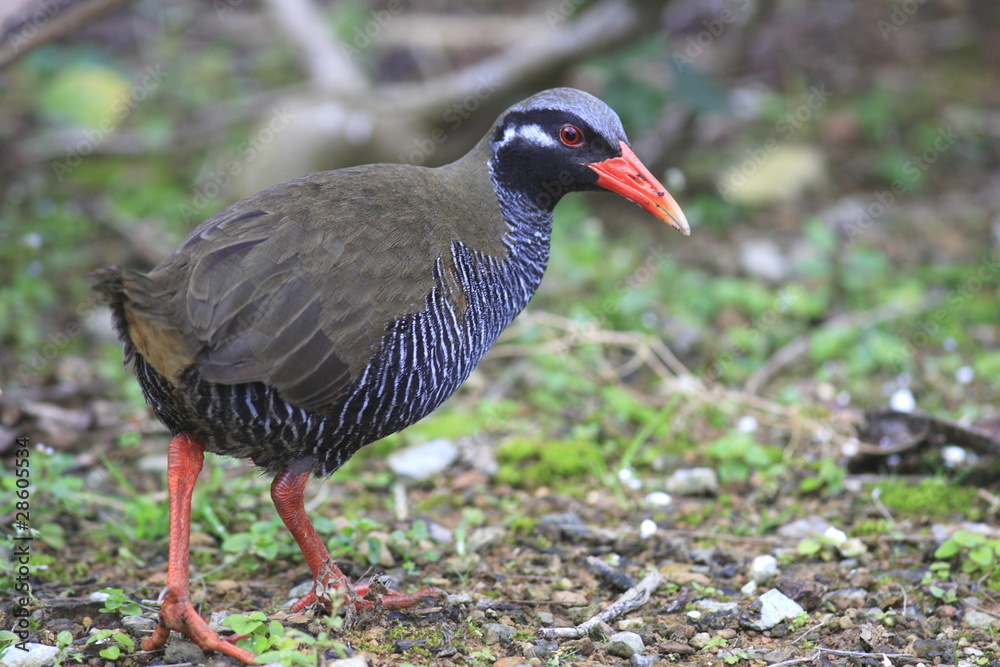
[
  {"x": 64, "y": 641},
  {"x": 481, "y": 657},
  {"x": 828, "y": 480},
  {"x": 118, "y": 602},
  {"x": 735, "y": 655},
  {"x": 976, "y": 555},
  {"x": 715, "y": 643},
  {"x": 295, "y": 647},
  {"x": 738, "y": 455},
  {"x": 116, "y": 640},
  {"x": 258, "y": 634}
]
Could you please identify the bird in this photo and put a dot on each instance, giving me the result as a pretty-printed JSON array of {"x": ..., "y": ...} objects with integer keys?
[{"x": 322, "y": 314}]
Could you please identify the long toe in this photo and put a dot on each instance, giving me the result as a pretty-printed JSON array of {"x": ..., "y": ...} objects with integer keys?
[
  {"x": 181, "y": 617},
  {"x": 395, "y": 600}
]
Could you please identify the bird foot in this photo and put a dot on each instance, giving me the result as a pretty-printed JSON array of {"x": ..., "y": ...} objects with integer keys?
[
  {"x": 178, "y": 614},
  {"x": 331, "y": 583}
]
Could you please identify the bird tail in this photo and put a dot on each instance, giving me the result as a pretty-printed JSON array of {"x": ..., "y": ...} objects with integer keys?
[{"x": 120, "y": 288}]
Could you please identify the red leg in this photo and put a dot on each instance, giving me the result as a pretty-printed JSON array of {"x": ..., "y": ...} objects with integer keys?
[
  {"x": 286, "y": 492},
  {"x": 184, "y": 459}
]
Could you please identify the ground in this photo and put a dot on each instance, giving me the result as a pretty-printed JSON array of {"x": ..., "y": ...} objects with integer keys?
[{"x": 811, "y": 376}]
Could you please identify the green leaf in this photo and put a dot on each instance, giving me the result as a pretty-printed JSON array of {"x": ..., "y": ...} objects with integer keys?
[
  {"x": 111, "y": 652},
  {"x": 984, "y": 557},
  {"x": 809, "y": 547},
  {"x": 947, "y": 549}
]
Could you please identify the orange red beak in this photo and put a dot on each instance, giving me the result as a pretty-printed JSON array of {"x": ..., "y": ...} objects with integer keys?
[{"x": 627, "y": 176}]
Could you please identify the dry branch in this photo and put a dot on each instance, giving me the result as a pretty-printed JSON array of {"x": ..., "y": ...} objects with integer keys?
[{"x": 636, "y": 596}]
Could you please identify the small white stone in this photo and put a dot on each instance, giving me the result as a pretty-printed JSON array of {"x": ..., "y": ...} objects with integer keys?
[
  {"x": 835, "y": 535},
  {"x": 965, "y": 375},
  {"x": 659, "y": 499},
  {"x": 953, "y": 455},
  {"x": 647, "y": 528},
  {"x": 424, "y": 460},
  {"x": 902, "y": 400},
  {"x": 763, "y": 568},
  {"x": 37, "y": 655},
  {"x": 850, "y": 447},
  {"x": 747, "y": 424}
]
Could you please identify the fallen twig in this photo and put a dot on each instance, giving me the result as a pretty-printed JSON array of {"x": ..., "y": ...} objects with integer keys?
[{"x": 630, "y": 599}]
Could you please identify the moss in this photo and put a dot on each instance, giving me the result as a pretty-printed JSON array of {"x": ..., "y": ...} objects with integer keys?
[
  {"x": 934, "y": 498},
  {"x": 535, "y": 462}
]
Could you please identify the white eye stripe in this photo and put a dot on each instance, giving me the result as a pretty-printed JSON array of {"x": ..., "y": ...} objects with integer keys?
[{"x": 533, "y": 133}]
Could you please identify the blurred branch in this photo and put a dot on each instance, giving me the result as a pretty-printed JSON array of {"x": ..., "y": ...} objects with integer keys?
[
  {"x": 605, "y": 25},
  {"x": 30, "y": 24},
  {"x": 329, "y": 67}
]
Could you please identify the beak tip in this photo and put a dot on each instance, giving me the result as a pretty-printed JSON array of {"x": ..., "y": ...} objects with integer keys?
[{"x": 678, "y": 221}]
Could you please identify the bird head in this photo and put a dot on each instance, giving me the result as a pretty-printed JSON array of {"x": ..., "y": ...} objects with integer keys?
[{"x": 565, "y": 140}]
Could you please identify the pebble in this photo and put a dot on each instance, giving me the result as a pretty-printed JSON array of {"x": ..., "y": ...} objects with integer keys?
[
  {"x": 438, "y": 533},
  {"x": 485, "y": 536},
  {"x": 945, "y": 611},
  {"x": 630, "y": 624},
  {"x": 138, "y": 624},
  {"x": 714, "y": 606},
  {"x": 658, "y": 499},
  {"x": 640, "y": 660},
  {"x": 700, "y": 641},
  {"x": 624, "y": 644},
  {"x": 809, "y": 526},
  {"x": 543, "y": 649},
  {"x": 353, "y": 661},
  {"x": 763, "y": 258},
  {"x": 179, "y": 650},
  {"x": 693, "y": 482},
  {"x": 777, "y": 656},
  {"x": 494, "y": 633},
  {"x": 512, "y": 661},
  {"x": 763, "y": 568},
  {"x": 774, "y": 607},
  {"x": 37, "y": 655},
  {"x": 902, "y": 400},
  {"x": 546, "y": 618},
  {"x": 977, "y": 619},
  {"x": 422, "y": 461}
]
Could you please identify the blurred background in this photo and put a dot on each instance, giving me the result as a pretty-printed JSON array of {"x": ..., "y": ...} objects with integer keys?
[{"x": 839, "y": 162}]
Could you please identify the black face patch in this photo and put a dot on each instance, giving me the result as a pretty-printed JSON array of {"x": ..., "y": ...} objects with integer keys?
[{"x": 531, "y": 158}]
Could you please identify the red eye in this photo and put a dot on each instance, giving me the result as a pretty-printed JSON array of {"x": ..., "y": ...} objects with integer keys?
[{"x": 571, "y": 135}]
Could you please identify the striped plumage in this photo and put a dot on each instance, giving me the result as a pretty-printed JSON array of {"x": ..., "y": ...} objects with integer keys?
[{"x": 312, "y": 318}]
